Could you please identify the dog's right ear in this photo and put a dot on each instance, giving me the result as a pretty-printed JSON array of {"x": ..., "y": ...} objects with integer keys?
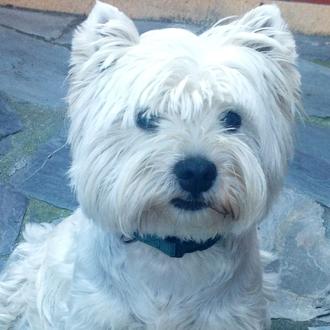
[{"x": 103, "y": 37}]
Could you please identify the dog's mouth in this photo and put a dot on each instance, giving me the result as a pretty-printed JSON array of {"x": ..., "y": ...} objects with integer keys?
[
  {"x": 196, "y": 205},
  {"x": 189, "y": 205}
]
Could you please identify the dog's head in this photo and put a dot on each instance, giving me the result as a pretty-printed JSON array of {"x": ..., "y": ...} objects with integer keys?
[{"x": 178, "y": 134}]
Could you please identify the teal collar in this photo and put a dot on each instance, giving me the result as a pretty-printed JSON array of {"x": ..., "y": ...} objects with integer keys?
[{"x": 174, "y": 246}]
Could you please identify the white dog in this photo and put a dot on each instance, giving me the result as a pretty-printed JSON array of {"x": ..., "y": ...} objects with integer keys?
[{"x": 179, "y": 143}]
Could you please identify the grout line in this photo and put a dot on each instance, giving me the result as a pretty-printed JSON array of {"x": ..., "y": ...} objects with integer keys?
[
  {"x": 49, "y": 156},
  {"x": 72, "y": 25},
  {"x": 22, "y": 226},
  {"x": 41, "y": 11},
  {"x": 34, "y": 36}
]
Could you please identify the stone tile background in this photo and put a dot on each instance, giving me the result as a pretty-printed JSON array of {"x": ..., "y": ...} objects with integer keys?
[{"x": 34, "y": 158}]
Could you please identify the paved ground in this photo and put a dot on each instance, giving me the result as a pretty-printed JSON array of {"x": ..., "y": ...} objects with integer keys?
[{"x": 34, "y": 50}]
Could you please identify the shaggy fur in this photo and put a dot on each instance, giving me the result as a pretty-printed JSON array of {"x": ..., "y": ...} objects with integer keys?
[{"x": 80, "y": 274}]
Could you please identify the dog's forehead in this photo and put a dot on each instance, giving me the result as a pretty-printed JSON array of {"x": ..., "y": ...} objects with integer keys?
[
  {"x": 192, "y": 55},
  {"x": 176, "y": 70},
  {"x": 170, "y": 43},
  {"x": 169, "y": 36},
  {"x": 177, "y": 42}
]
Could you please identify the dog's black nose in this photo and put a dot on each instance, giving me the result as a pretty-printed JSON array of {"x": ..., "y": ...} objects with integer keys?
[{"x": 195, "y": 174}]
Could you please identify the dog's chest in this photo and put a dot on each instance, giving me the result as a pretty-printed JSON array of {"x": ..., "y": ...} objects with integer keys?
[
  {"x": 169, "y": 293},
  {"x": 139, "y": 287},
  {"x": 170, "y": 311}
]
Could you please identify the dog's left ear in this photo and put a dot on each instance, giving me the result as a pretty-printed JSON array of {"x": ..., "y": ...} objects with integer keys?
[
  {"x": 266, "y": 31},
  {"x": 104, "y": 36},
  {"x": 262, "y": 29}
]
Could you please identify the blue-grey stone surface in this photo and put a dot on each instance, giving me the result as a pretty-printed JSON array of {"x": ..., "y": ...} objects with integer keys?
[
  {"x": 45, "y": 25},
  {"x": 66, "y": 39},
  {"x": 5, "y": 145},
  {"x": 12, "y": 210},
  {"x": 315, "y": 87},
  {"x": 46, "y": 178},
  {"x": 33, "y": 70},
  {"x": 294, "y": 232},
  {"x": 310, "y": 169},
  {"x": 313, "y": 47},
  {"x": 9, "y": 121}
]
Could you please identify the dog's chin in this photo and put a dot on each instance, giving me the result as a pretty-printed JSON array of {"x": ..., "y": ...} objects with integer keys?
[
  {"x": 189, "y": 205},
  {"x": 185, "y": 217}
]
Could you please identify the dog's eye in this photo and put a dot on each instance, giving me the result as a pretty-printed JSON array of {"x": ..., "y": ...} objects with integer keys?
[
  {"x": 232, "y": 121},
  {"x": 147, "y": 122}
]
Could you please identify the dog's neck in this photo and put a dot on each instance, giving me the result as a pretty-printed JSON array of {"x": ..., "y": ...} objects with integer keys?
[
  {"x": 173, "y": 246},
  {"x": 141, "y": 266}
]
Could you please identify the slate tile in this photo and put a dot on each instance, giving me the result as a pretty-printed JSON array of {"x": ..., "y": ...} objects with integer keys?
[
  {"x": 294, "y": 233},
  {"x": 5, "y": 146},
  {"x": 12, "y": 210},
  {"x": 33, "y": 70},
  {"x": 313, "y": 47},
  {"x": 45, "y": 178},
  {"x": 9, "y": 121},
  {"x": 47, "y": 25},
  {"x": 315, "y": 87},
  {"x": 310, "y": 170}
]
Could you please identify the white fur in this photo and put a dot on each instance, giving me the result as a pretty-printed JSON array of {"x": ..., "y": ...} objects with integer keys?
[{"x": 80, "y": 274}]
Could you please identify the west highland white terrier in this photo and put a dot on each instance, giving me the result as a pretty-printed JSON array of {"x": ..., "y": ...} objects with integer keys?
[{"x": 179, "y": 143}]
